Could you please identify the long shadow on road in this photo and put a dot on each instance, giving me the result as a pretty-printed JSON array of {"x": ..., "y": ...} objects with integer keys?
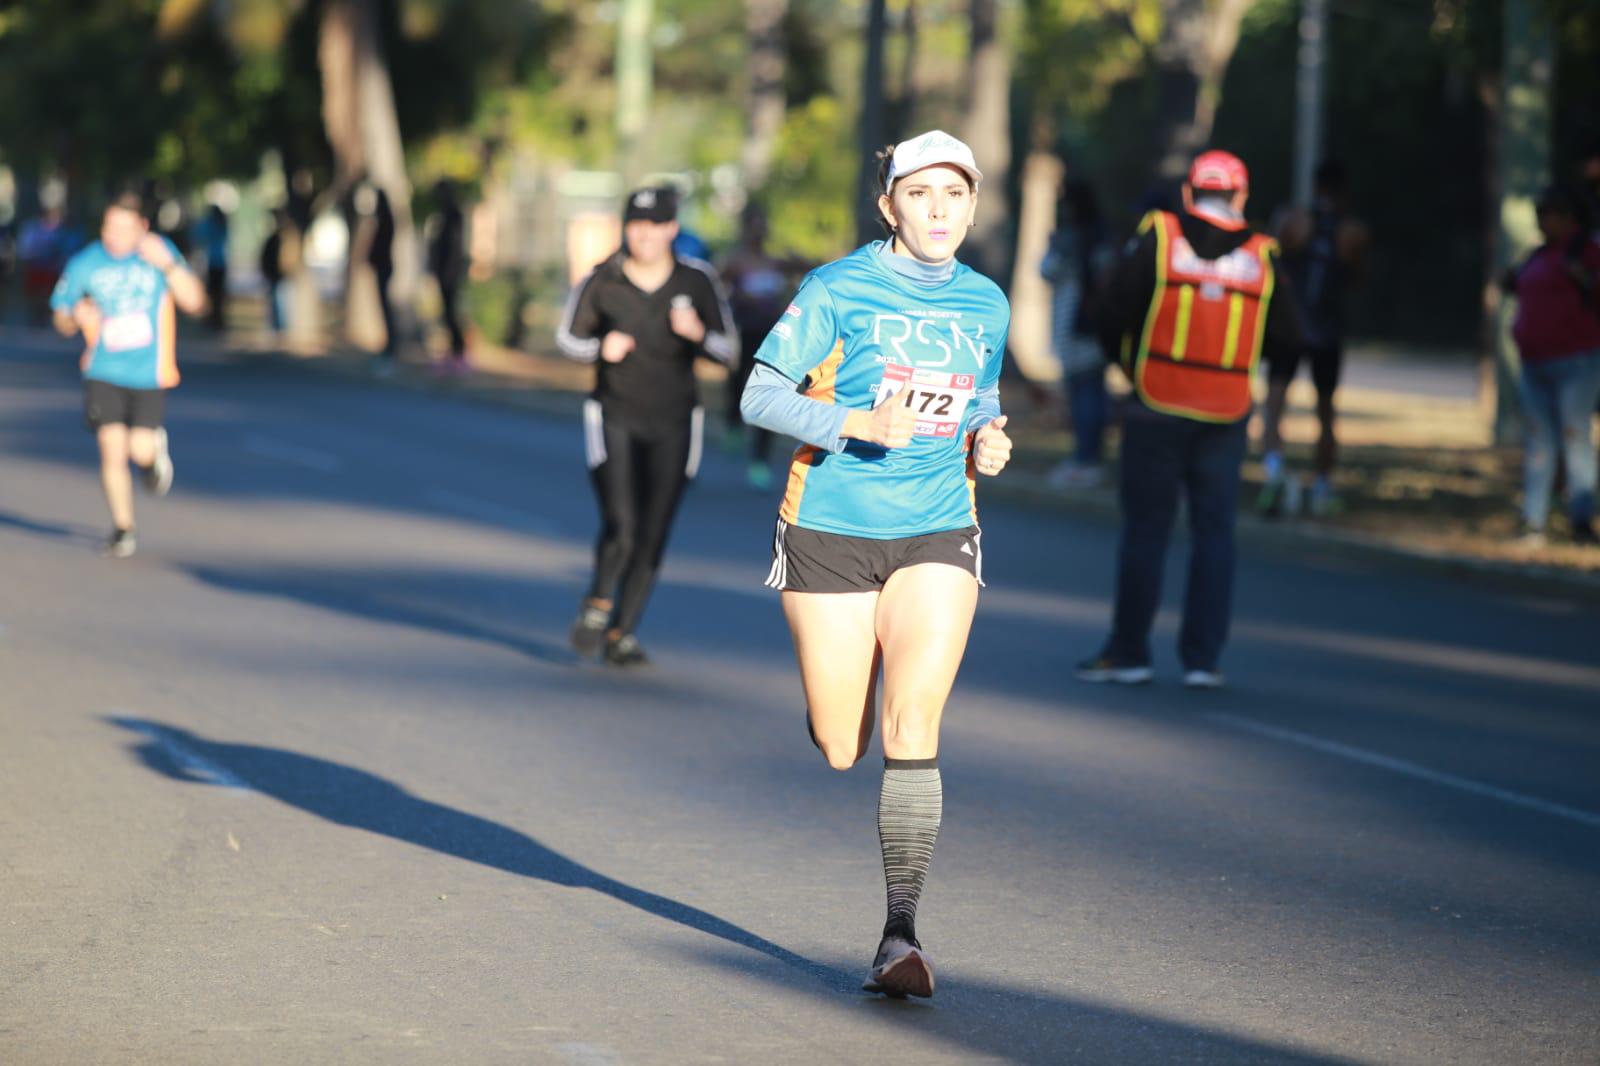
[
  {"x": 350, "y": 797},
  {"x": 993, "y": 1021}
]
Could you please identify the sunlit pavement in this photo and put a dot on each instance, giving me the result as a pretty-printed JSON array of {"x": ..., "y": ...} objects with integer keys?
[{"x": 313, "y": 778}]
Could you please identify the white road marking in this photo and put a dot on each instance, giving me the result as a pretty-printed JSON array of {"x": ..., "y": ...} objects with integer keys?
[
  {"x": 194, "y": 764},
  {"x": 1409, "y": 769},
  {"x": 284, "y": 452},
  {"x": 486, "y": 510}
]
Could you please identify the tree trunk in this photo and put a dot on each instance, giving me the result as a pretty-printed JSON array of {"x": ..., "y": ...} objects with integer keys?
[
  {"x": 1042, "y": 174},
  {"x": 363, "y": 130},
  {"x": 764, "y": 101},
  {"x": 905, "y": 92},
  {"x": 1197, "y": 42},
  {"x": 987, "y": 130},
  {"x": 872, "y": 121}
]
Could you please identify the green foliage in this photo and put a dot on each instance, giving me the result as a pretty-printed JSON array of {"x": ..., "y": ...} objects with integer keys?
[{"x": 813, "y": 179}]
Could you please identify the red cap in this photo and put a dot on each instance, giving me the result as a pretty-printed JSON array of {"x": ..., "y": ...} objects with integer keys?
[{"x": 1220, "y": 171}]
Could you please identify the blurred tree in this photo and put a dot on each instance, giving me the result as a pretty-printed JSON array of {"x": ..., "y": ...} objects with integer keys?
[
  {"x": 764, "y": 88},
  {"x": 1198, "y": 38},
  {"x": 986, "y": 128}
]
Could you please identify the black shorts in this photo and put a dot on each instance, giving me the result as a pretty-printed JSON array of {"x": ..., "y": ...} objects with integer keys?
[
  {"x": 1327, "y": 362},
  {"x": 806, "y": 560},
  {"x": 105, "y": 404}
]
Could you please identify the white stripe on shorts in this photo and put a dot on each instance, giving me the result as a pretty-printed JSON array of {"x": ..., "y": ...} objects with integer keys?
[
  {"x": 594, "y": 434},
  {"x": 697, "y": 436},
  {"x": 977, "y": 546},
  {"x": 780, "y": 559}
]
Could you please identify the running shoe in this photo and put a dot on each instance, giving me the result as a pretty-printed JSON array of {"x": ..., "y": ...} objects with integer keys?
[
  {"x": 1203, "y": 679},
  {"x": 1583, "y": 533},
  {"x": 588, "y": 636},
  {"x": 900, "y": 969},
  {"x": 1100, "y": 669},
  {"x": 120, "y": 544},
  {"x": 625, "y": 651},
  {"x": 158, "y": 475},
  {"x": 1325, "y": 503}
]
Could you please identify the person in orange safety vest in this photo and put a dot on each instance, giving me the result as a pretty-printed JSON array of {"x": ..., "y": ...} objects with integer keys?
[{"x": 1196, "y": 303}]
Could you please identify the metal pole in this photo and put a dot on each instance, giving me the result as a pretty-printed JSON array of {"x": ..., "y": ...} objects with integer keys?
[
  {"x": 1309, "y": 91},
  {"x": 634, "y": 77}
]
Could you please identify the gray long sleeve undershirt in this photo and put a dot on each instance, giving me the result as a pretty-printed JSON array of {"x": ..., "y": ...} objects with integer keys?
[{"x": 773, "y": 401}]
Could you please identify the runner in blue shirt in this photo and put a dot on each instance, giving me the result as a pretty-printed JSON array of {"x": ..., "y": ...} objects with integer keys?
[
  {"x": 122, "y": 292},
  {"x": 887, "y": 366}
]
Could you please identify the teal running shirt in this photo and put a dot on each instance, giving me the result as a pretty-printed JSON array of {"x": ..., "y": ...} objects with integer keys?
[
  {"x": 136, "y": 346},
  {"x": 858, "y": 331}
]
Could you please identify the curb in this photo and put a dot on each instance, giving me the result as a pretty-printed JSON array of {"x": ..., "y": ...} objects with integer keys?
[{"x": 1023, "y": 489}]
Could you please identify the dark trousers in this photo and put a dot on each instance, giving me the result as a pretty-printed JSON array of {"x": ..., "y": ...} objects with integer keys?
[
  {"x": 639, "y": 483},
  {"x": 1086, "y": 407},
  {"x": 1162, "y": 458},
  {"x": 449, "y": 297},
  {"x": 391, "y": 342}
]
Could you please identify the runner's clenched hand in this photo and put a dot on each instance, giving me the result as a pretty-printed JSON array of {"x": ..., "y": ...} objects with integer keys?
[{"x": 991, "y": 448}]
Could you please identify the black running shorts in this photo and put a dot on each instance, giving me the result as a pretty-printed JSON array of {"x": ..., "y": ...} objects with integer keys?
[
  {"x": 806, "y": 560},
  {"x": 1327, "y": 366},
  {"x": 105, "y": 404}
]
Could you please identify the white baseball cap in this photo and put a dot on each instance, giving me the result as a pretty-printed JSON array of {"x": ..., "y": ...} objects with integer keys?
[{"x": 931, "y": 149}]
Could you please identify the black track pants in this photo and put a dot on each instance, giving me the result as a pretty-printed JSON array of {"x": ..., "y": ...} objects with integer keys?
[{"x": 639, "y": 476}]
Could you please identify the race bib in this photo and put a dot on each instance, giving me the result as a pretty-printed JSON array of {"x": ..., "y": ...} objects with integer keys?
[
  {"x": 121, "y": 333},
  {"x": 938, "y": 399}
]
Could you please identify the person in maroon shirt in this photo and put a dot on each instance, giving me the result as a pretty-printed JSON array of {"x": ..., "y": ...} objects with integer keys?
[{"x": 1557, "y": 330}]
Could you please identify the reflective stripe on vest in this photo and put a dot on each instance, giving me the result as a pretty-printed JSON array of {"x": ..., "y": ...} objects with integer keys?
[{"x": 1203, "y": 332}]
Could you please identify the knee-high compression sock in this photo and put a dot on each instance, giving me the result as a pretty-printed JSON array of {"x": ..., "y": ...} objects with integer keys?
[{"x": 910, "y": 805}]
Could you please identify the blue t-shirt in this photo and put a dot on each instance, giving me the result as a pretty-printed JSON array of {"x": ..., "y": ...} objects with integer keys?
[
  {"x": 136, "y": 343},
  {"x": 857, "y": 330}
]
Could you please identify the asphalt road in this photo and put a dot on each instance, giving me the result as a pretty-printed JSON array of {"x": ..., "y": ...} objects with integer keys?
[{"x": 313, "y": 778}]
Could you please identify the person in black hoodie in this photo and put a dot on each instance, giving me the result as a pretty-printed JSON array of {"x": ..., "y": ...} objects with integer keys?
[
  {"x": 1196, "y": 302},
  {"x": 643, "y": 317}
]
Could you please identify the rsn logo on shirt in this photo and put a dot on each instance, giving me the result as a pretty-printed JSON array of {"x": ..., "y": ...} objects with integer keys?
[{"x": 931, "y": 342}]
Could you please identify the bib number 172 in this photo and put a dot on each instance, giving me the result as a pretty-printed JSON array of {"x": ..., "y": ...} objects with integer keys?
[{"x": 939, "y": 399}]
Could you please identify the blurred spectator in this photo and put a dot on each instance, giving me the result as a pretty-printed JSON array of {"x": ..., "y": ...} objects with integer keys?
[
  {"x": 447, "y": 262},
  {"x": 375, "y": 229},
  {"x": 758, "y": 291},
  {"x": 688, "y": 245},
  {"x": 1557, "y": 330},
  {"x": 1074, "y": 264},
  {"x": 211, "y": 235},
  {"x": 271, "y": 262},
  {"x": 1324, "y": 253},
  {"x": 43, "y": 246}
]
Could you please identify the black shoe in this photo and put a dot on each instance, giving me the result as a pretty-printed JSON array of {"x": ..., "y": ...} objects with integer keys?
[
  {"x": 588, "y": 634},
  {"x": 1100, "y": 669},
  {"x": 625, "y": 651},
  {"x": 1583, "y": 533},
  {"x": 120, "y": 544}
]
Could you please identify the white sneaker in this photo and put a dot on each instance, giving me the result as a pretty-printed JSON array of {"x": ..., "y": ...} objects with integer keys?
[
  {"x": 1071, "y": 475},
  {"x": 901, "y": 969},
  {"x": 1203, "y": 679},
  {"x": 158, "y": 476}
]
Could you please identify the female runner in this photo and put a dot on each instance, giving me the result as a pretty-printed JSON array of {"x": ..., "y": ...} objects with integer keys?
[{"x": 887, "y": 365}]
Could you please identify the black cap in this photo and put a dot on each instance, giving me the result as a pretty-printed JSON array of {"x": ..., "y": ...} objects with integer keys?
[{"x": 655, "y": 204}]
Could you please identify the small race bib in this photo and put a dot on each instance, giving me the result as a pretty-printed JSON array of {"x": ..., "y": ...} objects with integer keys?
[
  {"x": 121, "y": 333},
  {"x": 938, "y": 399}
]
